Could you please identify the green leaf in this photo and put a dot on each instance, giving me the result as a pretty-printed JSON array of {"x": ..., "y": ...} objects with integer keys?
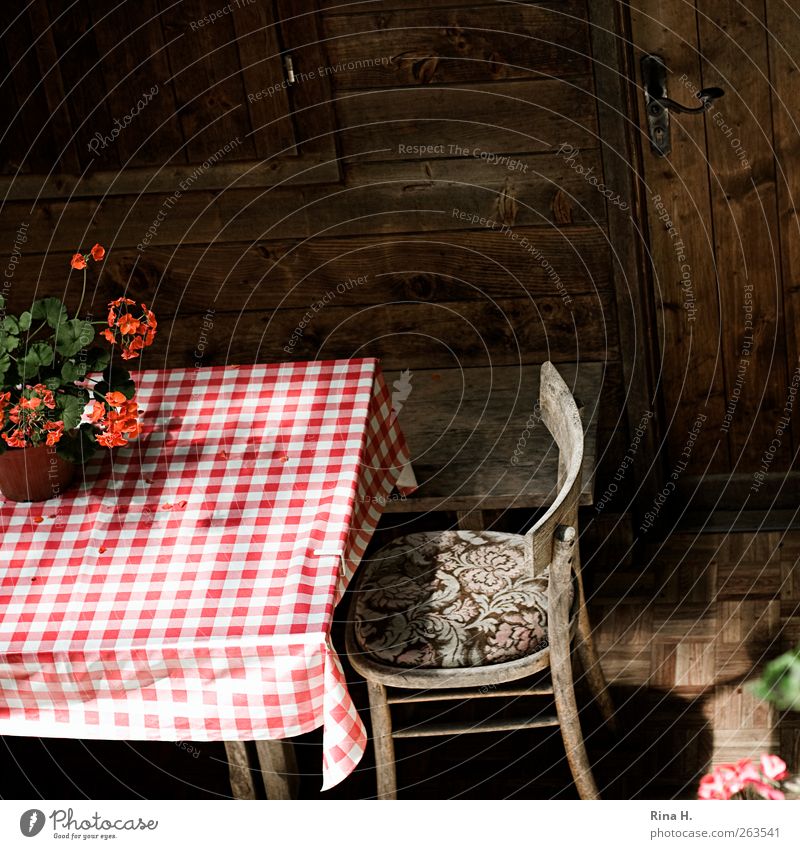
[
  {"x": 97, "y": 359},
  {"x": 118, "y": 379},
  {"x": 70, "y": 409},
  {"x": 11, "y": 325},
  {"x": 53, "y": 383},
  {"x": 780, "y": 683},
  {"x": 70, "y": 372},
  {"x": 39, "y": 354},
  {"x": 5, "y": 364},
  {"x": 2, "y": 302},
  {"x": 25, "y": 321},
  {"x": 8, "y": 342},
  {"x": 51, "y": 310},
  {"x": 78, "y": 447},
  {"x": 73, "y": 335}
]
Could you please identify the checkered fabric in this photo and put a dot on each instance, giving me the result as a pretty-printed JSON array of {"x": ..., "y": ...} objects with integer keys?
[{"x": 185, "y": 591}]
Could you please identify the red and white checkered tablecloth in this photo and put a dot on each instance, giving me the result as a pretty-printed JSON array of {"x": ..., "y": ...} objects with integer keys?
[{"x": 186, "y": 590}]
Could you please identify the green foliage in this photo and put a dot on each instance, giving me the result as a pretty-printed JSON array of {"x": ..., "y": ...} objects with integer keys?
[
  {"x": 78, "y": 446},
  {"x": 44, "y": 345},
  {"x": 780, "y": 683},
  {"x": 50, "y": 310},
  {"x": 70, "y": 408},
  {"x": 115, "y": 379},
  {"x": 38, "y": 355},
  {"x": 97, "y": 359},
  {"x": 9, "y": 338},
  {"x": 73, "y": 335}
]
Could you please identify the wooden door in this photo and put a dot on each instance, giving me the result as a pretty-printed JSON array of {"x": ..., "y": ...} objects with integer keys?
[
  {"x": 155, "y": 96},
  {"x": 725, "y": 247}
]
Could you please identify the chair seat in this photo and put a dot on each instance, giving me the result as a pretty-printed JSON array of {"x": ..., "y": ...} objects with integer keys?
[{"x": 452, "y": 599}]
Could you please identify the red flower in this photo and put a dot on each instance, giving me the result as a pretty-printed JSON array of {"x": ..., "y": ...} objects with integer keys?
[
  {"x": 111, "y": 440},
  {"x": 98, "y": 252},
  {"x": 78, "y": 261},
  {"x": 55, "y": 430},
  {"x": 132, "y": 331},
  {"x": 116, "y": 399},
  {"x": 96, "y": 411}
]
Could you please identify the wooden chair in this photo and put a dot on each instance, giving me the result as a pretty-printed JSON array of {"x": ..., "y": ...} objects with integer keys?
[{"x": 461, "y": 614}]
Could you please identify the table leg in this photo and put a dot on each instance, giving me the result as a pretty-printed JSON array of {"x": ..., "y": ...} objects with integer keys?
[
  {"x": 242, "y": 785},
  {"x": 278, "y": 768}
]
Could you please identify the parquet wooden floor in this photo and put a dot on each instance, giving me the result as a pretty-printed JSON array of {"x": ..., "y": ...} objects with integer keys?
[
  {"x": 697, "y": 617},
  {"x": 682, "y": 628}
]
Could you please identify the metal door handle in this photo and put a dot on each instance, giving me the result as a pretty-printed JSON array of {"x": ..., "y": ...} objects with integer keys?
[{"x": 658, "y": 105}]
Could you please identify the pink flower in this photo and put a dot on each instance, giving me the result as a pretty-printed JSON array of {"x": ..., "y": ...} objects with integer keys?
[
  {"x": 767, "y": 791},
  {"x": 713, "y": 786},
  {"x": 773, "y": 767},
  {"x": 747, "y": 772}
]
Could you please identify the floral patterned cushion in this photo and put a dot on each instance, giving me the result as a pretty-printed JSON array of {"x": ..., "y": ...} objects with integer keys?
[{"x": 452, "y": 599}]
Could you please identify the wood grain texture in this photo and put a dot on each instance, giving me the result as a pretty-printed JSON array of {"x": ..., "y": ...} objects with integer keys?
[
  {"x": 311, "y": 97},
  {"x": 257, "y": 39},
  {"x": 517, "y": 116},
  {"x": 783, "y": 45},
  {"x": 133, "y": 59},
  {"x": 181, "y": 279},
  {"x": 205, "y": 64},
  {"x": 721, "y": 619},
  {"x": 52, "y": 81},
  {"x": 733, "y": 45},
  {"x": 690, "y": 365},
  {"x": 79, "y": 65},
  {"x": 242, "y": 786},
  {"x": 477, "y": 442},
  {"x": 456, "y": 45},
  {"x": 25, "y": 100},
  {"x": 621, "y": 156},
  {"x": 278, "y": 768},
  {"x": 403, "y": 197},
  {"x": 415, "y": 336}
]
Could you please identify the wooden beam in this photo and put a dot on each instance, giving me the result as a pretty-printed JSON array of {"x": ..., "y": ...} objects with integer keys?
[{"x": 621, "y": 156}]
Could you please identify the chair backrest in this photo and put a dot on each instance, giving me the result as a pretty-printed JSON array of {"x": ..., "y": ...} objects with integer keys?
[{"x": 561, "y": 417}]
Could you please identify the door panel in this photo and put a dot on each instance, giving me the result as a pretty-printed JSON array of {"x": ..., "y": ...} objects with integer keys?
[{"x": 722, "y": 271}]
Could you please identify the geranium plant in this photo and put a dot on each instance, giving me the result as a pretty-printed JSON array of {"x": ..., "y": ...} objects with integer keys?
[
  {"x": 746, "y": 780},
  {"x": 58, "y": 386}
]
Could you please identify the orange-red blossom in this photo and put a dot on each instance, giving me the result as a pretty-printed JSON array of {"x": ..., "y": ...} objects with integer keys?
[
  {"x": 30, "y": 416},
  {"x": 133, "y": 331},
  {"x": 118, "y": 418},
  {"x": 79, "y": 260}
]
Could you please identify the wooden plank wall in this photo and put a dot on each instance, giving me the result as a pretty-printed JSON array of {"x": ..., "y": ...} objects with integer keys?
[
  {"x": 233, "y": 271},
  {"x": 730, "y": 185}
]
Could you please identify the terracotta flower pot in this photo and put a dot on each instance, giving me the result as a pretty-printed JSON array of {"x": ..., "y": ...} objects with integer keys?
[{"x": 34, "y": 474}]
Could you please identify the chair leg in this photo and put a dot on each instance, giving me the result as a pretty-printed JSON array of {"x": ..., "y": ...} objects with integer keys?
[
  {"x": 590, "y": 662},
  {"x": 242, "y": 786},
  {"x": 382, "y": 740},
  {"x": 587, "y": 653},
  {"x": 561, "y": 665}
]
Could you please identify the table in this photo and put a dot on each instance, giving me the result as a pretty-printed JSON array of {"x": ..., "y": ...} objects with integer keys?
[{"x": 186, "y": 590}]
